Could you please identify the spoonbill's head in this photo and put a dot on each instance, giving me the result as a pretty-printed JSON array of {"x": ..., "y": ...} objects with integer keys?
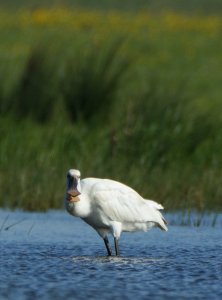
[{"x": 73, "y": 189}]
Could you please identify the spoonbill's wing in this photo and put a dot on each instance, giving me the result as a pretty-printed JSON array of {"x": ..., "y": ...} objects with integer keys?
[{"x": 121, "y": 203}]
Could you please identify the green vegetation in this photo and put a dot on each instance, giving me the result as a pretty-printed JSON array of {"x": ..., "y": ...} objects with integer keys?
[
  {"x": 131, "y": 96},
  {"x": 194, "y": 6}
]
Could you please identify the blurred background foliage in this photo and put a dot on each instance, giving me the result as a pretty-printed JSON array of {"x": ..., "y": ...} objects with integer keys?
[{"x": 126, "y": 90}]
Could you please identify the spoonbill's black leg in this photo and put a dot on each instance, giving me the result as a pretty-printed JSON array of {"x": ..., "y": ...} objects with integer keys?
[
  {"x": 109, "y": 250},
  {"x": 116, "y": 246}
]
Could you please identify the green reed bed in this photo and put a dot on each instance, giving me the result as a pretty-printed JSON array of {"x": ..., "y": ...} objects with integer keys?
[{"x": 132, "y": 97}]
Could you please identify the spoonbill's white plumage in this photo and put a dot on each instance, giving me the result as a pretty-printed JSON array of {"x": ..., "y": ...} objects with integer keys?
[{"x": 110, "y": 207}]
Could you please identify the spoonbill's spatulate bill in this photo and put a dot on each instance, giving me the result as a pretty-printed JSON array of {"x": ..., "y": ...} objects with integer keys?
[{"x": 110, "y": 207}]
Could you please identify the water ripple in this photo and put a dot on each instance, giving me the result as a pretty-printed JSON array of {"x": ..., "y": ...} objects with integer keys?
[{"x": 185, "y": 263}]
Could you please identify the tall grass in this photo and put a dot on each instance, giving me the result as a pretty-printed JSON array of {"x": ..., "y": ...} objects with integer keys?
[
  {"x": 142, "y": 106},
  {"x": 90, "y": 83},
  {"x": 36, "y": 89}
]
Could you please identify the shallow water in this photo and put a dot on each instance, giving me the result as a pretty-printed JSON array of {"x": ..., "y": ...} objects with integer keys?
[{"x": 56, "y": 256}]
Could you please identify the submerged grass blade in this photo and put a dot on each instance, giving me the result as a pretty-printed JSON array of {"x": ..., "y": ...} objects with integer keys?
[
  {"x": 4, "y": 222},
  {"x": 16, "y": 223}
]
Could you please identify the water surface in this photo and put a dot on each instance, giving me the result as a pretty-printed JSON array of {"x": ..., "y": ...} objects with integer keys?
[{"x": 56, "y": 256}]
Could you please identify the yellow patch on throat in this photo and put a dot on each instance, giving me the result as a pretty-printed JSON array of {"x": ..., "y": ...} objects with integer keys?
[{"x": 73, "y": 199}]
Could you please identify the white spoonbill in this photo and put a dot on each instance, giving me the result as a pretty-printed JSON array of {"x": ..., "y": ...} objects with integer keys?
[{"x": 110, "y": 207}]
